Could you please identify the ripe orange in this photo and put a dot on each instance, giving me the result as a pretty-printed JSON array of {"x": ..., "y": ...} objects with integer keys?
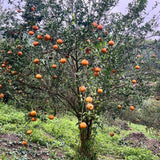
[
  {"x": 32, "y": 8},
  {"x": 99, "y": 27},
  {"x": 20, "y": 91},
  {"x": 24, "y": 143},
  {"x": 99, "y": 90},
  {"x": 39, "y": 36},
  {"x": 97, "y": 69},
  {"x": 20, "y": 53},
  {"x": 54, "y": 77},
  {"x": 134, "y": 81},
  {"x": 63, "y": 60},
  {"x": 35, "y": 27},
  {"x": 38, "y": 76},
  {"x": 111, "y": 43},
  {"x": 0, "y": 85},
  {"x": 94, "y": 24},
  {"x": 59, "y": 41},
  {"x": 51, "y": 117},
  {"x": 47, "y": 37},
  {"x": 55, "y": 47},
  {"x": 100, "y": 39},
  {"x": 154, "y": 56},
  {"x": 31, "y": 33},
  {"x": 113, "y": 71},
  {"x": 89, "y": 99},
  {"x": 112, "y": 134},
  {"x": 132, "y": 108},
  {"x": 19, "y": 10},
  {"x": 82, "y": 88},
  {"x": 139, "y": 56},
  {"x": 35, "y": 43},
  {"x": 119, "y": 106},
  {"x": 84, "y": 62},
  {"x": 3, "y": 65},
  {"x": 36, "y": 61},
  {"x": 90, "y": 106},
  {"x": 104, "y": 50},
  {"x": 82, "y": 125},
  {"x": 137, "y": 67},
  {"x": 96, "y": 73},
  {"x": 29, "y": 131},
  {"x": 33, "y": 113},
  {"x": 54, "y": 66},
  {"x": 33, "y": 119},
  {"x": 1, "y": 95},
  {"x": 9, "y": 52}
]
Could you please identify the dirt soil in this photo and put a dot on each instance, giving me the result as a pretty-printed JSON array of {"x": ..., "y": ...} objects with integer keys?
[
  {"x": 10, "y": 143},
  {"x": 140, "y": 140}
]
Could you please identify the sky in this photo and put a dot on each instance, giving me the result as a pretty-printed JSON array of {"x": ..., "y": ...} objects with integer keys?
[{"x": 122, "y": 7}]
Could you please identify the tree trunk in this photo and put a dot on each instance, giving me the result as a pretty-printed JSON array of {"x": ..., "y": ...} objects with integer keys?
[{"x": 86, "y": 145}]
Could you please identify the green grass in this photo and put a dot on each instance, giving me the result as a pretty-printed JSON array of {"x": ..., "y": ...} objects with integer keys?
[{"x": 62, "y": 133}]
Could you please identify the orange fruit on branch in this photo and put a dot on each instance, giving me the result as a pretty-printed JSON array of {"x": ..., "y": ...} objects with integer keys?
[
  {"x": 59, "y": 41},
  {"x": 104, "y": 50},
  {"x": 0, "y": 85},
  {"x": 55, "y": 47},
  {"x": 82, "y": 125},
  {"x": 3, "y": 65},
  {"x": 63, "y": 60},
  {"x": 35, "y": 27},
  {"x": 31, "y": 33},
  {"x": 97, "y": 69},
  {"x": 9, "y": 52},
  {"x": 51, "y": 117},
  {"x": 20, "y": 53},
  {"x": 94, "y": 24},
  {"x": 39, "y": 36},
  {"x": 119, "y": 106},
  {"x": 132, "y": 108},
  {"x": 1, "y": 95},
  {"x": 134, "y": 81},
  {"x": 47, "y": 37},
  {"x": 99, "y": 90},
  {"x": 54, "y": 66},
  {"x": 84, "y": 62},
  {"x": 100, "y": 27},
  {"x": 111, "y": 43},
  {"x": 89, "y": 99},
  {"x": 82, "y": 88},
  {"x": 90, "y": 106},
  {"x": 96, "y": 73},
  {"x": 137, "y": 67},
  {"x": 36, "y": 61},
  {"x": 33, "y": 119},
  {"x": 33, "y": 113},
  {"x": 18, "y": 10},
  {"x": 32, "y": 8},
  {"x": 113, "y": 71},
  {"x": 35, "y": 43},
  {"x": 38, "y": 76},
  {"x": 54, "y": 77},
  {"x": 139, "y": 56}
]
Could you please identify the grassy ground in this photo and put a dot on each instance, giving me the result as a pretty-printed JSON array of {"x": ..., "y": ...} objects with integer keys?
[{"x": 58, "y": 139}]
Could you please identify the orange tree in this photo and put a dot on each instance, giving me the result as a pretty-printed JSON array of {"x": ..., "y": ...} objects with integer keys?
[{"x": 73, "y": 53}]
